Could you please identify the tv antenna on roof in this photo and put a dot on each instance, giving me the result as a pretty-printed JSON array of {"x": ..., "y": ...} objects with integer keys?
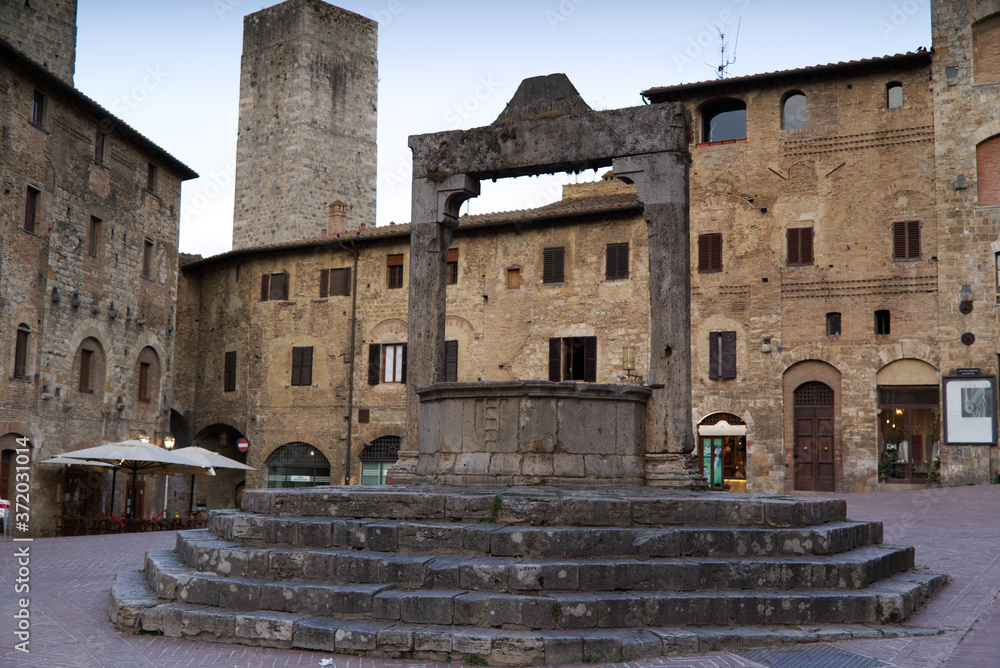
[{"x": 725, "y": 62}]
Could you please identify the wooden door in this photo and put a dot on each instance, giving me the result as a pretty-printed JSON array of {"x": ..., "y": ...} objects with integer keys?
[
  {"x": 134, "y": 495},
  {"x": 814, "y": 445}
]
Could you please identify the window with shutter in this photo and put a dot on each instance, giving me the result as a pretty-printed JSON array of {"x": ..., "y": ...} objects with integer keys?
[
  {"x": 452, "y": 266},
  {"x": 274, "y": 287},
  {"x": 573, "y": 358},
  {"x": 374, "y": 362},
  {"x": 722, "y": 355},
  {"x": 450, "y": 361},
  {"x": 906, "y": 240},
  {"x": 340, "y": 282},
  {"x": 229, "y": 374},
  {"x": 302, "y": 365},
  {"x": 324, "y": 283},
  {"x": 393, "y": 363},
  {"x": 394, "y": 272},
  {"x": 617, "y": 261},
  {"x": 265, "y": 287},
  {"x": 552, "y": 265},
  {"x": 800, "y": 246},
  {"x": 710, "y": 253}
]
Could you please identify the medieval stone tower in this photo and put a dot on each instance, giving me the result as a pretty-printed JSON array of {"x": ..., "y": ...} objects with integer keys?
[
  {"x": 306, "y": 147},
  {"x": 43, "y": 30}
]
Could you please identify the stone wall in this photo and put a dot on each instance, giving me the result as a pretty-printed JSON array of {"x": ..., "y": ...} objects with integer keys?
[
  {"x": 43, "y": 30},
  {"x": 308, "y": 100},
  {"x": 70, "y": 299}
]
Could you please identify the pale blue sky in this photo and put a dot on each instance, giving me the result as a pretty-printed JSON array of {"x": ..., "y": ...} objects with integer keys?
[{"x": 171, "y": 70}]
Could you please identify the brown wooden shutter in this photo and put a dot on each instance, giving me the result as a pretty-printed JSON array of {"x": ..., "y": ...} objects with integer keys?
[
  {"x": 324, "y": 282},
  {"x": 558, "y": 265},
  {"x": 402, "y": 377},
  {"x": 623, "y": 260},
  {"x": 611, "y": 263},
  {"x": 265, "y": 287},
  {"x": 340, "y": 281},
  {"x": 913, "y": 240},
  {"x": 713, "y": 355},
  {"x": 704, "y": 254},
  {"x": 296, "y": 366},
  {"x": 450, "y": 361},
  {"x": 306, "y": 374},
  {"x": 793, "y": 245},
  {"x": 555, "y": 359},
  {"x": 284, "y": 285},
  {"x": 553, "y": 267},
  {"x": 143, "y": 381},
  {"x": 899, "y": 240},
  {"x": 716, "y": 262},
  {"x": 229, "y": 375},
  {"x": 590, "y": 359},
  {"x": 728, "y": 355},
  {"x": 806, "y": 245},
  {"x": 374, "y": 362}
]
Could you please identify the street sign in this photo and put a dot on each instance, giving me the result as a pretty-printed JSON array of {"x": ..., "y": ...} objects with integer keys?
[{"x": 243, "y": 444}]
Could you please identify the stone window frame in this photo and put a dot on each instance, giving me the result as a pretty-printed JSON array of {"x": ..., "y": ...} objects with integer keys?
[
  {"x": 890, "y": 103},
  {"x": 39, "y": 114},
  {"x": 785, "y": 99},
  {"x": 722, "y": 355},
  {"x": 22, "y": 346},
  {"x": 32, "y": 202}
]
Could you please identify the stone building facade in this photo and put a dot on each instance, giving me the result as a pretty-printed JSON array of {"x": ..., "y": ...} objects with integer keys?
[
  {"x": 844, "y": 260},
  {"x": 306, "y": 141},
  {"x": 88, "y": 280}
]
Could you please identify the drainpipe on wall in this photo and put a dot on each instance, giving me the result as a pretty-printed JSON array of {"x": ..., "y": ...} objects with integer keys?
[{"x": 353, "y": 250}]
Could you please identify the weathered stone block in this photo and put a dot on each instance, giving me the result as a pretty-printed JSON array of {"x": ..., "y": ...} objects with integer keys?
[
  {"x": 568, "y": 465},
  {"x": 359, "y": 636},
  {"x": 316, "y": 633},
  {"x": 261, "y": 625},
  {"x": 428, "y": 606},
  {"x": 239, "y": 594}
]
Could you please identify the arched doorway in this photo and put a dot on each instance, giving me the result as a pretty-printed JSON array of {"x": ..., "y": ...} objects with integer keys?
[
  {"x": 722, "y": 450},
  {"x": 909, "y": 420},
  {"x": 297, "y": 465},
  {"x": 813, "y": 449},
  {"x": 9, "y": 444}
]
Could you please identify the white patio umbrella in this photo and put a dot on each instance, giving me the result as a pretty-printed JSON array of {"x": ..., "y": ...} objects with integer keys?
[
  {"x": 210, "y": 458},
  {"x": 99, "y": 467},
  {"x": 136, "y": 456}
]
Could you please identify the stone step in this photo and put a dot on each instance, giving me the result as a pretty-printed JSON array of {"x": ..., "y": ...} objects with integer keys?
[
  {"x": 854, "y": 569},
  {"x": 134, "y": 608},
  {"x": 481, "y": 595},
  {"x": 534, "y": 541},
  {"x": 542, "y": 506}
]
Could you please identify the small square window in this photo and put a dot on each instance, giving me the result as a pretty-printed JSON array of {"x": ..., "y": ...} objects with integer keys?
[
  {"x": 364, "y": 415},
  {"x": 93, "y": 236},
  {"x": 31, "y": 209},
  {"x": 38, "y": 108},
  {"x": 882, "y": 323},
  {"x": 147, "y": 258},
  {"x": 833, "y": 324},
  {"x": 513, "y": 278}
]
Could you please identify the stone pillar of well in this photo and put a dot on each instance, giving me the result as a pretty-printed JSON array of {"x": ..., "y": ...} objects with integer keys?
[
  {"x": 434, "y": 214},
  {"x": 661, "y": 180}
]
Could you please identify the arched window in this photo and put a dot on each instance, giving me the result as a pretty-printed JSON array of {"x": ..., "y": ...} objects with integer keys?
[
  {"x": 793, "y": 111},
  {"x": 297, "y": 465},
  {"x": 21, "y": 351},
  {"x": 988, "y": 171},
  {"x": 88, "y": 367},
  {"x": 985, "y": 40},
  {"x": 724, "y": 120},
  {"x": 147, "y": 375},
  {"x": 894, "y": 95},
  {"x": 377, "y": 457}
]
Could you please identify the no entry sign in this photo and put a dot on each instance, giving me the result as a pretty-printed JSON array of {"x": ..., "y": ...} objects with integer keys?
[{"x": 243, "y": 444}]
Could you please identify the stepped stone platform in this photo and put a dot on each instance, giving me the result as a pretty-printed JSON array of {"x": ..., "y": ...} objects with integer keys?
[{"x": 522, "y": 576}]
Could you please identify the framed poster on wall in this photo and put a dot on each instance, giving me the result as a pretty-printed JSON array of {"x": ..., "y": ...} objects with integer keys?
[{"x": 969, "y": 409}]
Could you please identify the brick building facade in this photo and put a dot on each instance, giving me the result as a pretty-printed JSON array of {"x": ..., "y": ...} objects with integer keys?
[{"x": 88, "y": 274}]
